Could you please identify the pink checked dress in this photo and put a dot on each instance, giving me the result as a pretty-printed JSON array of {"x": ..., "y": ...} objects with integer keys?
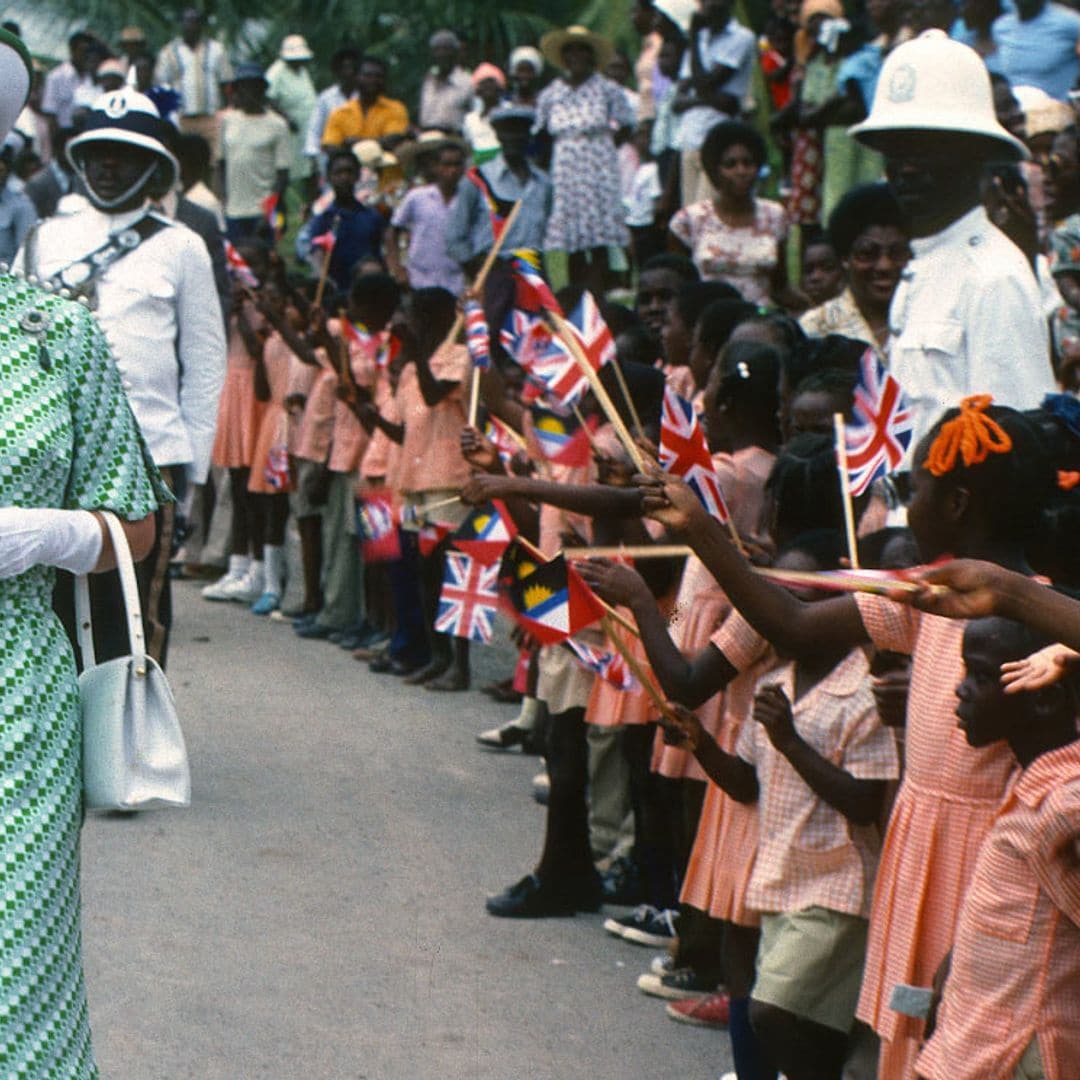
[
  {"x": 272, "y": 434},
  {"x": 238, "y": 412}
]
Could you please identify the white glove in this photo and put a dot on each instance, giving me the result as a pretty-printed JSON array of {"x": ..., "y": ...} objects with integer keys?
[{"x": 68, "y": 539}]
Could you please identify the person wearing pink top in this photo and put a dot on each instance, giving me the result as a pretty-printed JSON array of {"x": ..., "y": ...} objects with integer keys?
[
  {"x": 425, "y": 418},
  {"x": 352, "y": 342}
]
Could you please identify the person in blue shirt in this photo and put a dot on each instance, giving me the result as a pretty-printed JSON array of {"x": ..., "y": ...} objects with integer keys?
[
  {"x": 359, "y": 228},
  {"x": 1037, "y": 46}
]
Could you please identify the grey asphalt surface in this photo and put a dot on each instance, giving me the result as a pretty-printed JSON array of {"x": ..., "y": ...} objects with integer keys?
[{"x": 318, "y": 912}]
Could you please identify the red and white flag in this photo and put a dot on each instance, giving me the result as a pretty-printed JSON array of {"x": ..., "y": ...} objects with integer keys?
[
  {"x": 880, "y": 434},
  {"x": 610, "y": 666},
  {"x": 238, "y": 267},
  {"x": 469, "y": 598},
  {"x": 684, "y": 452}
]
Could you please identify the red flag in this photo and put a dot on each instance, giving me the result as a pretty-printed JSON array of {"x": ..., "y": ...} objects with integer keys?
[
  {"x": 560, "y": 439},
  {"x": 377, "y": 526},
  {"x": 499, "y": 434},
  {"x": 325, "y": 241},
  {"x": 431, "y": 534},
  {"x": 469, "y": 598},
  {"x": 238, "y": 266},
  {"x": 273, "y": 215},
  {"x": 610, "y": 666}
]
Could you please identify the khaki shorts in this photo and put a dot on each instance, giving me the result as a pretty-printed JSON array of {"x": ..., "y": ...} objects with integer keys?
[
  {"x": 452, "y": 513},
  {"x": 1031, "y": 1064},
  {"x": 562, "y": 683},
  {"x": 811, "y": 963}
]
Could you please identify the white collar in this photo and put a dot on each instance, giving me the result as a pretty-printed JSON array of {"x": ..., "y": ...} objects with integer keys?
[{"x": 974, "y": 223}]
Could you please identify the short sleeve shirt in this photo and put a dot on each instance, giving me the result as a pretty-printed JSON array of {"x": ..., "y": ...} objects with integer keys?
[
  {"x": 809, "y": 854},
  {"x": 1041, "y": 51},
  {"x": 254, "y": 147}
]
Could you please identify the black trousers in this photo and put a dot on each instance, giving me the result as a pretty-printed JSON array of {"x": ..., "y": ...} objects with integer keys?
[{"x": 107, "y": 598}]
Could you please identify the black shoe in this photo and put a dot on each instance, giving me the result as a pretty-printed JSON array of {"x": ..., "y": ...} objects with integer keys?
[
  {"x": 431, "y": 670},
  {"x": 528, "y": 899},
  {"x": 381, "y": 664},
  {"x": 404, "y": 668},
  {"x": 504, "y": 738},
  {"x": 316, "y": 631},
  {"x": 621, "y": 883}
]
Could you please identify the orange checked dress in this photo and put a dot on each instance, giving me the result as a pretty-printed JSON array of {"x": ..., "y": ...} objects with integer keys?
[{"x": 238, "y": 412}]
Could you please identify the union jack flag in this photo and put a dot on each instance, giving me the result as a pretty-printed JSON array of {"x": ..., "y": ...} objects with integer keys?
[
  {"x": 377, "y": 526},
  {"x": 596, "y": 340},
  {"x": 469, "y": 598},
  {"x": 684, "y": 452},
  {"x": 881, "y": 432},
  {"x": 477, "y": 336},
  {"x": 498, "y": 433},
  {"x": 238, "y": 266},
  {"x": 498, "y": 209},
  {"x": 611, "y": 667}
]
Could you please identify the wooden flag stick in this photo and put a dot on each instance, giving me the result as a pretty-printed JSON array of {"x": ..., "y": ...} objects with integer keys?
[
  {"x": 324, "y": 270},
  {"x": 641, "y": 672},
  {"x": 845, "y": 488},
  {"x": 621, "y": 379},
  {"x": 442, "y": 502},
  {"x": 637, "y": 551},
  {"x": 565, "y": 333},
  {"x": 588, "y": 431},
  {"x": 474, "y": 397}
]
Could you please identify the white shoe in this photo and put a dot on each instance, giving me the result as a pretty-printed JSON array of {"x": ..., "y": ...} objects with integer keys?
[
  {"x": 252, "y": 585},
  {"x": 225, "y": 586}
]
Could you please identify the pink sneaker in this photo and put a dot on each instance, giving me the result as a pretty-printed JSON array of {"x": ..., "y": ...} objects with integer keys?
[{"x": 712, "y": 1011}]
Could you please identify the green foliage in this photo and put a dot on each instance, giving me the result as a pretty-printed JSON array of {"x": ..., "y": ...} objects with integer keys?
[{"x": 397, "y": 32}]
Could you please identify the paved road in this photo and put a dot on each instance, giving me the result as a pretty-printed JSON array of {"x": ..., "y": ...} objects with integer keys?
[{"x": 318, "y": 913}]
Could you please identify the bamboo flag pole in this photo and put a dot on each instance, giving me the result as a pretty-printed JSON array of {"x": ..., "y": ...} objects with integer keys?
[
  {"x": 344, "y": 361},
  {"x": 845, "y": 489},
  {"x": 585, "y": 427},
  {"x": 641, "y": 672},
  {"x": 478, "y": 289},
  {"x": 564, "y": 332},
  {"x": 634, "y": 551},
  {"x": 621, "y": 379}
]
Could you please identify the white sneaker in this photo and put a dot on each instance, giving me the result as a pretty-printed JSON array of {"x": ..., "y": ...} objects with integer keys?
[
  {"x": 225, "y": 588},
  {"x": 251, "y": 586},
  {"x": 662, "y": 964}
]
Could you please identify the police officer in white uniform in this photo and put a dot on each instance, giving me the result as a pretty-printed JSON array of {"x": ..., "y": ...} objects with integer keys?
[
  {"x": 149, "y": 281},
  {"x": 967, "y": 317}
]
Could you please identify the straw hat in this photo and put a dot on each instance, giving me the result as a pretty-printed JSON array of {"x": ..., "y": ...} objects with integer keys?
[
  {"x": 553, "y": 43},
  {"x": 294, "y": 47},
  {"x": 427, "y": 142},
  {"x": 132, "y": 35},
  {"x": 372, "y": 156}
]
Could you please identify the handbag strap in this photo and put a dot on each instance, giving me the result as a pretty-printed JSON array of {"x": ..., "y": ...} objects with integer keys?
[{"x": 132, "y": 607}]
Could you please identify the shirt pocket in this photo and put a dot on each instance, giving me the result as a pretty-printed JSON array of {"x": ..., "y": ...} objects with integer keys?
[
  {"x": 1008, "y": 913},
  {"x": 932, "y": 336}
]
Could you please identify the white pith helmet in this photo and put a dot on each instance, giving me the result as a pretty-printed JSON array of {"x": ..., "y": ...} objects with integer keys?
[
  {"x": 934, "y": 84},
  {"x": 126, "y": 116}
]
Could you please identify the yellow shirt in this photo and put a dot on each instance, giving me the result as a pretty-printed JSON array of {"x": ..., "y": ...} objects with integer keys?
[{"x": 349, "y": 122}]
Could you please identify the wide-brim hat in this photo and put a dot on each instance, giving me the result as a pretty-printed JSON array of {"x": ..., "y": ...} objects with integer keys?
[
  {"x": 16, "y": 74},
  {"x": 934, "y": 84},
  {"x": 427, "y": 142},
  {"x": 294, "y": 47},
  {"x": 132, "y": 35},
  {"x": 553, "y": 43},
  {"x": 125, "y": 116},
  {"x": 679, "y": 12},
  {"x": 371, "y": 155}
]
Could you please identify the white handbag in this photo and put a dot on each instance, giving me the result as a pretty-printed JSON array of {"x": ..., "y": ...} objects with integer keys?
[{"x": 134, "y": 756}]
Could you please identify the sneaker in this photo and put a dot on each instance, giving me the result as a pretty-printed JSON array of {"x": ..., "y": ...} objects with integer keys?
[
  {"x": 250, "y": 587},
  {"x": 645, "y": 926},
  {"x": 622, "y": 882},
  {"x": 268, "y": 602},
  {"x": 682, "y": 984},
  {"x": 712, "y": 1011},
  {"x": 228, "y": 587},
  {"x": 662, "y": 964}
]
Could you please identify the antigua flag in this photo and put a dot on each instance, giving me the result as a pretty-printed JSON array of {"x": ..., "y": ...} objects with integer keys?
[
  {"x": 469, "y": 598},
  {"x": 238, "y": 267},
  {"x": 684, "y": 452},
  {"x": 486, "y": 532},
  {"x": 610, "y": 666},
  {"x": 560, "y": 439},
  {"x": 553, "y": 603},
  {"x": 498, "y": 209},
  {"x": 376, "y": 525},
  {"x": 879, "y": 436},
  {"x": 531, "y": 291},
  {"x": 477, "y": 336},
  {"x": 430, "y": 535}
]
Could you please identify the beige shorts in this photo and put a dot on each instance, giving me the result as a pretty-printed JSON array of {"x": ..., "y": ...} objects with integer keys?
[
  {"x": 563, "y": 683},
  {"x": 446, "y": 508},
  {"x": 811, "y": 963}
]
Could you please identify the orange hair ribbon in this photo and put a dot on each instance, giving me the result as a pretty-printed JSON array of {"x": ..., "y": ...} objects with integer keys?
[
  {"x": 972, "y": 436},
  {"x": 1067, "y": 479}
]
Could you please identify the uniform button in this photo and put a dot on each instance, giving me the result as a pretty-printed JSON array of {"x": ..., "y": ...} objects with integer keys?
[
  {"x": 127, "y": 384},
  {"x": 975, "y": 241}
]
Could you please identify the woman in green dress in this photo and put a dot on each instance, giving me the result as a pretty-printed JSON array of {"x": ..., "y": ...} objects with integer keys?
[{"x": 69, "y": 446}]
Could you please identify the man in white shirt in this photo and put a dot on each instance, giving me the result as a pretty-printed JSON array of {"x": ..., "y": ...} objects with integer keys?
[
  {"x": 446, "y": 92},
  {"x": 150, "y": 283},
  {"x": 198, "y": 68},
  {"x": 713, "y": 82},
  {"x": 58, "y": 98},
  {"x": 967, "y": 315}
]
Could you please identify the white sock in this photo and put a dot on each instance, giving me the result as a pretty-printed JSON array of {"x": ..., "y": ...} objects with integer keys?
[
  {"x": 530, "y": 712},
  {"x": 238, "y": 566},
  {"x": 256, "y": 574},
  {"x": 274, "y": 557}
]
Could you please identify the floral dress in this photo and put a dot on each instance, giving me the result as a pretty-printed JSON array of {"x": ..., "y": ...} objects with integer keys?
[
  {"x": 67, "y": 440},
  {"x": 586, "y": 197},
  {"x": 744, "y": 257}
]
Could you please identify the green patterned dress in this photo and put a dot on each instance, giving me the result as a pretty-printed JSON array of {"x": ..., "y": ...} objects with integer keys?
[{"x": 67, "y": 440}]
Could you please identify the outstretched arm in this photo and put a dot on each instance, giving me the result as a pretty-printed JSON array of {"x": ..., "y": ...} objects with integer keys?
[{"x": 737, "y": 777}]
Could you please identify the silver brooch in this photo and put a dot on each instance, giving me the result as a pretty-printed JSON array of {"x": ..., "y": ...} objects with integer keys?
[
  {"x": 128, "y": 239},
  {"x": 36, "y": 323}
]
